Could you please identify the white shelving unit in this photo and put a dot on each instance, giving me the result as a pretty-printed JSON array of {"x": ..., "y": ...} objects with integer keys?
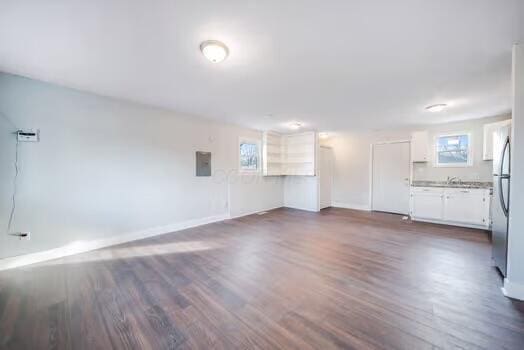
[
  {"x": 272, "y": 151},
  {"x": 300, "y": 154},
  {"x": 293, "y": 154}
]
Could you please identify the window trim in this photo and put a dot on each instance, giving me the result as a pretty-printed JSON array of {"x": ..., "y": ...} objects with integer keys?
[
  {"x": 469, "y": 163},
  {"x": 259, "y": 148}
]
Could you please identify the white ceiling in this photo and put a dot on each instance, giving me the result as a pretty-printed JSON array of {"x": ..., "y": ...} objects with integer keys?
[{"x": 333, "y": 65}]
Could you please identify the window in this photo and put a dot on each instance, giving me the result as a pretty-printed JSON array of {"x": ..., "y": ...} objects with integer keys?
[
  {"x": 453, "y": 150},
  {"x": 249, "y": 155}
]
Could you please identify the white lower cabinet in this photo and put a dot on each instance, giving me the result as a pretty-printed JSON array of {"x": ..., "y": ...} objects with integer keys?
[
  {"x": 426, "y": 204},
  {"x": 466, "y": 206},
  {"x": 453, "y": 206}
]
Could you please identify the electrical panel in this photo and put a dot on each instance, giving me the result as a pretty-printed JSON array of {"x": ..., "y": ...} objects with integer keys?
[{"x": 203, "y": 164}]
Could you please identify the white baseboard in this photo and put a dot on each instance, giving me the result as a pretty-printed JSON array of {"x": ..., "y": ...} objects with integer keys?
[
  {"x": 301, "y": 208},
  {"x": 85, "y": 246},
  {"x": 451, "y": 223},
  {"x": 254, "y": 212},
  {"x": 513, "y": 290},
  {"x": 351, "y": 206}
]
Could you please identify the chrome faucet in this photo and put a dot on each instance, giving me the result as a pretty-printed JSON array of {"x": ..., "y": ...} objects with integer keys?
[{"x": 452, "y": 179}]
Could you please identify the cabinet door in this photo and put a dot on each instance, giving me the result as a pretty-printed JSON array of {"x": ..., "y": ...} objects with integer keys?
[
  {"x": 420, "y": 146},
  {"x": 325, "y": 173},
  {"x": 465, "y": 207},
  {"x": 487, "y": 153},
  {"x": 426, "y": 205}
]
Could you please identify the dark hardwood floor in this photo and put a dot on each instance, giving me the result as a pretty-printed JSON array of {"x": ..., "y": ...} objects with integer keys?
[{"x": 285, "y": 280}]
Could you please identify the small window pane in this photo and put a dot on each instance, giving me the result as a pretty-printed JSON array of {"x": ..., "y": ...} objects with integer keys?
[
  {"x": 453, "y": 150},
  {"x": 248, "y": 156}
]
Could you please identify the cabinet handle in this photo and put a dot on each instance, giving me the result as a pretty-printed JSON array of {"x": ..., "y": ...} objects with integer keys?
[{"x": 465, "y": 191}]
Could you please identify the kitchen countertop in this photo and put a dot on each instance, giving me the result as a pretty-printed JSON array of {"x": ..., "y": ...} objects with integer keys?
[{"x": 463, "y": 184}]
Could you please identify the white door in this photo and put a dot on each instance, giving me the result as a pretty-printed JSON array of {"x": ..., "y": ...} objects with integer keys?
[
  {"x": 391, "y": 172},
  {"x": 325, "y": 169}
]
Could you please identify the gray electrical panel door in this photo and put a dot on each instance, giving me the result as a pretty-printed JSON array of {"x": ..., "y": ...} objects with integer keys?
[{"x": 203, "y": 164}]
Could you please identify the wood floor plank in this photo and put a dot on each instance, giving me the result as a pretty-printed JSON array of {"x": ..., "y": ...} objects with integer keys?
[{"x": 338, "y": 279}]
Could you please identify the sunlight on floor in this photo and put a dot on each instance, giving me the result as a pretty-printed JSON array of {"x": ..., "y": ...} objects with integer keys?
[{"x": 135, "y": 252}]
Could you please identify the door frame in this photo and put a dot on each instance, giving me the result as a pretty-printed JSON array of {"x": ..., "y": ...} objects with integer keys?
[
  {"x": 371, "y": 168},
  {"x": 320, "y": 173}
]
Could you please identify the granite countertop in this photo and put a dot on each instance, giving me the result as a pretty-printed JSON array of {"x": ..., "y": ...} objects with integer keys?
[{"x": 463, "y": 184}]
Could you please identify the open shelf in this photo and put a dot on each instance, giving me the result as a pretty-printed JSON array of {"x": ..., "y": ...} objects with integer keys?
[{"x": 292, "y": 154}]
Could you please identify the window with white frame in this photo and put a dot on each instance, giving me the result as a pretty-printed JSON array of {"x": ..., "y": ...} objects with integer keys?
[
  {"x": 249, "y": 155},
  {"x": 453, "y": 150}
]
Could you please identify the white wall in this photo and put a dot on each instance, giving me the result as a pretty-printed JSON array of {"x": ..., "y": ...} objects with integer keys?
[
  {"x": 301, "y": 192},
  {"x": 352, "y": 152},
  {"x": 350, "y": 171},
  {"x": 514, "y": 283},
  {"x": 253, "y": 193},
  {"x": 106, "y": 167}
]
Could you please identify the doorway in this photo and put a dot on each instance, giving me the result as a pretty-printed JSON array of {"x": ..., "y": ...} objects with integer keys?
[
  {"x": 391, "y": 177},
  {"x": 325, "y": 168}
]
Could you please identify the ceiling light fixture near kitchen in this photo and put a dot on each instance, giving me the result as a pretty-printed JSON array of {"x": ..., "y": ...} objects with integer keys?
[
  {"x": 295, "y": 125},
  {"x": 436, "y": 108},
  {"x": 214, "y": 50}
]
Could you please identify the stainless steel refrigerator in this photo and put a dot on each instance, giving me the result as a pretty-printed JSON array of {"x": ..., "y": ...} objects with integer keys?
[{"x": 500, "y": 199}]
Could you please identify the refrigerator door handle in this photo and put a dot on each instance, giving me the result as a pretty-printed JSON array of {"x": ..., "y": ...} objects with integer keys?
[
  {"x": 502, "y": 176},
  {"x": 501, "y": 197},
  {"x": 503, "y": 153}
]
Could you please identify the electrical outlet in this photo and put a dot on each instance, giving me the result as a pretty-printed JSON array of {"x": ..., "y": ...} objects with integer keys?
[
  {"x": 26, "y": 236},
  {"x": 28, "y": 135}
]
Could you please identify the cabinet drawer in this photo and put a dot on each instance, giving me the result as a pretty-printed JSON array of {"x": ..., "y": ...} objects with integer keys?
[
  {"x": 467, "y": 191},
  {"x": 438, "y": 190}
]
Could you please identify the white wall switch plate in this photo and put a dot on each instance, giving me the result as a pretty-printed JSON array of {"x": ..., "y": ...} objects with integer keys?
[{"x": 28, "y": 135}]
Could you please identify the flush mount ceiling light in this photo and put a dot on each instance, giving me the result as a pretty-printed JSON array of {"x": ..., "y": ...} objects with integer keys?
[
  {"x": 295, "y": 125},
  {"x": 436, "y": 108},
  {"x": 214, "y": 50}
]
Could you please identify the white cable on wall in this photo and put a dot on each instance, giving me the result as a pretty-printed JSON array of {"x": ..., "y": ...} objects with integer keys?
[{"x": 13, "y": 197}]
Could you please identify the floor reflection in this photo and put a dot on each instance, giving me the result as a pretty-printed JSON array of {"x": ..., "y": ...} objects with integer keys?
[{"x": 135, "y": 252}]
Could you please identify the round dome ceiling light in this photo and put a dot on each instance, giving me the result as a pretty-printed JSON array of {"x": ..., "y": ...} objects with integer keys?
[
  {"x": 214, "y": 50},
  {"x": 436, "y": 108}
]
